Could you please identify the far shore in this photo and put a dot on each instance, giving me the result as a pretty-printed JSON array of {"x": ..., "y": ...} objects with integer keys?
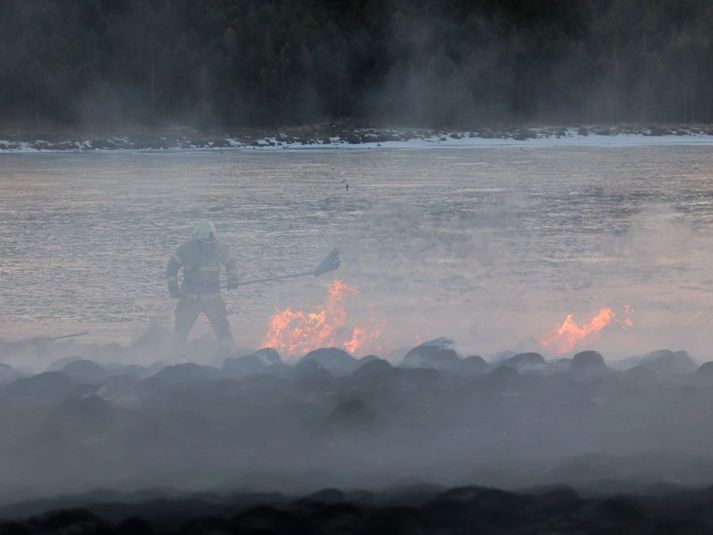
[{"x": 340, "y": 135}]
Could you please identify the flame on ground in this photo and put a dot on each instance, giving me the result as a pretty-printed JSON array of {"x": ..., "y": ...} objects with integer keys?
[
  {"x": 296, "y": 332},
  {"x": 569, "y": 335}
]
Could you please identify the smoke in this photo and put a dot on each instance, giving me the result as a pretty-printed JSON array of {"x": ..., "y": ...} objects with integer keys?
[
  {"x": 493, "y": 248},
  {"x": 254, "y": 423},
  {"x": 556, "y": 63}
]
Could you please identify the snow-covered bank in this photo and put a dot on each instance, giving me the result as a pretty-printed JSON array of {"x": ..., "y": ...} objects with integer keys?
[{"x": 338, "y": 137}]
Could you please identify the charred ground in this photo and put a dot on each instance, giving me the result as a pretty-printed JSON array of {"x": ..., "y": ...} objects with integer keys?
[{"x": 405, "y": 510}]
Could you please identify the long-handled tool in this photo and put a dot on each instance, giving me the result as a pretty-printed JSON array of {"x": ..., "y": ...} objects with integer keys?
[
  {"x": 40, "y": 340},
  {"x": 331, "y": 262}
]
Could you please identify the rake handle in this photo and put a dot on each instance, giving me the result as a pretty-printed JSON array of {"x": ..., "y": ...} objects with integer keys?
[{"x": 269, "y": 279}]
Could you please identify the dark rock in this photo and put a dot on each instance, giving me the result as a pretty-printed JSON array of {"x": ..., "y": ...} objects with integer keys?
[
  {"x": 588, "y": 365},
  {"x": 306, "y": 369},
  {"x": 81, "y": 415},
  {"x": 84, "y": 371},
  {"x": 373, "y": 367},
  {"x": 135, "y": 526},
  {"x": 242, "y": 366},
  {"x": 262, "y": 519},
  {"x": 133, "y": 370},
  {"x": 8, "y": 373},
  {"x": 657, "y": 131},
  {"x": 562, "y": 363},
  {"x": 502, "y": 355},
  {"x": 332, "y": 359},
  {"x": 326, "y": 496},
  {"x": 368, "y": 358},
  {"x": 704, "y": 374},
  {"x": 502, "y": 375},
  {"x": 620, "y": 509},
  {"x": 473, "y": 365},
  {"x": 47, "y": 387},
  {"x": 268, "y": 356},
  {"x": 666, "y": 363},
  {"x": 438, "y": 354},
  {"x": 663, "y": 362},
  {"x": 71, "y": 521},
  {"x": 121, "y": 390},
  {"x": 525, "y": 361},
  {"x": 183, "y": 373},
  {"x": 58, "y": 364},
  {"x": 418, "y": 377},
  {"x": 262, "y": 361},
  {"x": 458, "y": 510},
  {"x": 640, "y": 375},
  {"x": 353, "y": 413}
]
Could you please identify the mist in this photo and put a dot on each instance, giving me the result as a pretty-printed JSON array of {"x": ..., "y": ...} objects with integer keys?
[
  {"x": 509, "y": 243},
  {"x": 256, "y": 424},
  {"x": 514, "y": 330}
]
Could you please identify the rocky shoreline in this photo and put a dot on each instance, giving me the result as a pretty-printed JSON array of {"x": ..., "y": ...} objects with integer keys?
[
  {"x": 416, "y": 509},
  {"x": 260, "y": 444},
  {"x": 331, "y": 136}
]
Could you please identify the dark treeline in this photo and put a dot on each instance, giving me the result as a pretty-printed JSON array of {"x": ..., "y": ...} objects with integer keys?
[{"x": 278, "y": 62}]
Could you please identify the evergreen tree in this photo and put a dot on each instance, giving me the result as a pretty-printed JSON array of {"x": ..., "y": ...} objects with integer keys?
[{"x": 279, "y": 62}]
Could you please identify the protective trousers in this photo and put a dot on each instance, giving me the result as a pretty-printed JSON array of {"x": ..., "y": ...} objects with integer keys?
[{"x": 190, "y": 307}]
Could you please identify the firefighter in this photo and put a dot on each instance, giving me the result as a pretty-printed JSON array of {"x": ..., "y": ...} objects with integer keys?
[{"x": 201, "y": 258}]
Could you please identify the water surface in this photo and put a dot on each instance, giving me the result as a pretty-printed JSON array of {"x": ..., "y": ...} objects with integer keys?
[{"x": 491, "y": 246}]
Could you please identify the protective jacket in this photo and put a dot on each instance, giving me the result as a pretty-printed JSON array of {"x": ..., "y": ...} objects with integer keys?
[{"x": 201, "y": 261}]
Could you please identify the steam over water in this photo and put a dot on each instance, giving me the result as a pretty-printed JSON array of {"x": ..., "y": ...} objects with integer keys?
[{"x": 491, "y": 247}]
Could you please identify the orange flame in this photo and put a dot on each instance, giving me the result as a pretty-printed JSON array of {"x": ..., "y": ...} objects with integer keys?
[
  {"x": 296, "y": 332},
  {"x": 569, "y": 335},
  {"x": 360, "y": 337}
]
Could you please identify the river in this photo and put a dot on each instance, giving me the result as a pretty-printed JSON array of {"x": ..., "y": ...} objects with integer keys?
[{"x": 492, "y": 247}]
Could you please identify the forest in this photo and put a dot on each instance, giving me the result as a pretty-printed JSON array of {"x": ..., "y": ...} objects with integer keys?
[{"x": 272, "y": 63}]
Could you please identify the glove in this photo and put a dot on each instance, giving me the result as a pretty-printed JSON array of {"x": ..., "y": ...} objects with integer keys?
[
  {"x": 232, "y": 283},
  {"x": 174, "y": 292}
]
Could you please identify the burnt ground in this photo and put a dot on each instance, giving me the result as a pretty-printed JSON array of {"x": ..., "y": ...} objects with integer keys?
[
  {"x": 574, "y": 445},
  {"x": 412, "y": 510}
]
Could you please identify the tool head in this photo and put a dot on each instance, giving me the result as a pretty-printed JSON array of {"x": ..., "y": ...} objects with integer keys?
[{"x": 331, "y": 262}]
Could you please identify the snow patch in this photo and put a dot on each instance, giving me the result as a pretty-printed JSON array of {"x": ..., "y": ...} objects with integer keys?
[{"x": 388, "y": 138}]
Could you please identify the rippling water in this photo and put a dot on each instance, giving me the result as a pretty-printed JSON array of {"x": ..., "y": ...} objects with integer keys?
[{"x": 489, "y": 246}]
